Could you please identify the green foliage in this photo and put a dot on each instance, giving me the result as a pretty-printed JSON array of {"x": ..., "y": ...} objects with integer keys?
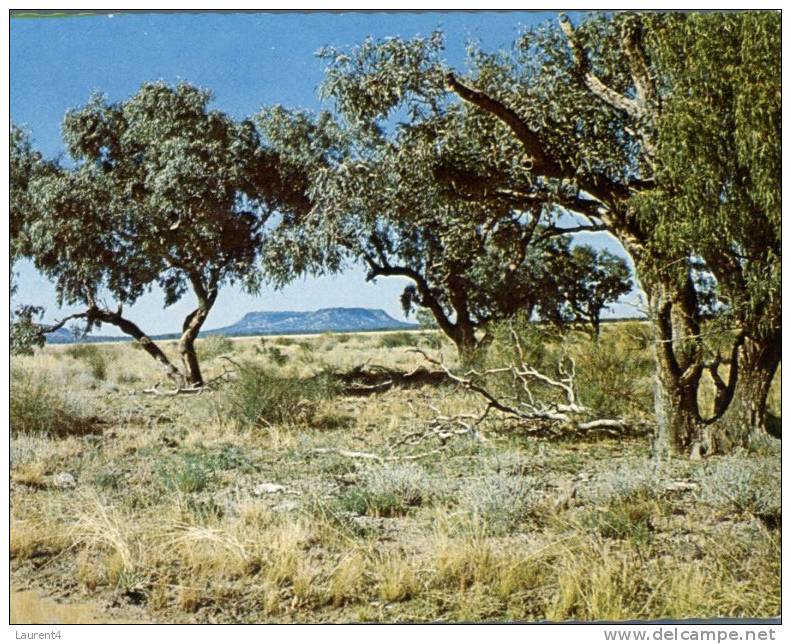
[
  {"x": 159, "y": 168},
  {"x": 36, "y": 407},
  {"x": 160, "y": 190},
  {"x": 389, "y": 491},
  {"x": 734, "y": 485},
  {"x": 590, "y": 280},
  {"x": 92, "y": 356},
  {"x": 441, "y": 200},
  {"x": 25, "y": 334},
  {"x": 261, "y": 398},
  {"x": 397, "y": 339},
  {"x": 718, "y": 154},
  {"x": 215, "y": 346}
]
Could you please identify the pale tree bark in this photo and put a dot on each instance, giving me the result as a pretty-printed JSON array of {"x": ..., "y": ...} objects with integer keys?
[{"x": 191, "y": 328}]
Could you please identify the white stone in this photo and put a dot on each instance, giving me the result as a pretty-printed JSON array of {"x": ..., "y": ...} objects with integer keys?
[
  {"x": 64, "y": 480},
  {"x": 268, "y": 488}
]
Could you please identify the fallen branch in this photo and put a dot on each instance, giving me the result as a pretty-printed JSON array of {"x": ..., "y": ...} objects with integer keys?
[
  {"x": 541, "y": 417},
  {"x": 365, "y": 379},
  {"x": 374, "y": 457},
  {"x": 176, "y": 391}
]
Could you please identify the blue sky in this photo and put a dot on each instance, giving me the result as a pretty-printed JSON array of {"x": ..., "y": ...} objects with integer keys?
[{"x": 247, "y": 60}]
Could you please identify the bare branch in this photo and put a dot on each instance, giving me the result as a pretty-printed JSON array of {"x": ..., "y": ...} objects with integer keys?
[
  {"x": 592, "y": 82},
  {"x": 537, "y": 415}
]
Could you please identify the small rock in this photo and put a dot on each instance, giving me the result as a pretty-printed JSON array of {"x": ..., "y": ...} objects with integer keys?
[
  {"x": 681, "y": 486},
  {"x": 285, "y": 506},
  {"x": 64, "y": 480},
  {"x": 268, "y": 488}
]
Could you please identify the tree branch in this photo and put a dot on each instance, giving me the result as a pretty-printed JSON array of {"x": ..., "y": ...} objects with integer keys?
[
  {"x": 592, "y": 82},
  {"x": 543, "y": 164}
]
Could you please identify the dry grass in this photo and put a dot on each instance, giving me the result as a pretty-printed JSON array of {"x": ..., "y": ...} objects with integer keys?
[{"x": 167, "y": 515}]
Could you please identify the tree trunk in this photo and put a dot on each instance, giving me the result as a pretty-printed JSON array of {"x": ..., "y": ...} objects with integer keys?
[
  {"x": 130, "y": 328},
  {"x": 744, "y": 420},
  {"x": 678, "y": 422},
  {"x": 468, "y": 347},
  {"x": 189, "y": 357}
]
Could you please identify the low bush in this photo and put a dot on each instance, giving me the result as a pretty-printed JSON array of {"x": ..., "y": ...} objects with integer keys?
[
  {"x": 626, "y": 520},
  {"x": 188, "y": 474},
  {"x": 614, "y": 378},
  {"x": 500, "y": 502},
  {"x": 214, "y": 346},
  {"x": 92, "y": 356},
  {"x": 389, "y": 491},
  {"x": 276, "y": 356},
  {"x": 37, "y": 407},
  {"x": 734, "y": 484},
  {"x": 259, "y": 397},
  {"x": 397, "y": 339},
  {"x": 635, "y": 481}
]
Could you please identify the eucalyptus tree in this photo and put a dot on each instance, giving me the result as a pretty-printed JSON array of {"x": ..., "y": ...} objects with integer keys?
[
  {"x": 377, "y": 200},
  {"x": 590, "y": 280},
  {"x": 718, "y": 176},
  {"x": 158, "y": 191},
  {"x": 594, "y": 120},
  {"x": 25, "y": 163}
]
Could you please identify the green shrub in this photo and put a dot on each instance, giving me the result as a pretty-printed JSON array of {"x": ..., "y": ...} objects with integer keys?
[
  {"x": 389, "y": 491},
  {"x": 741, "y": 484},
  {"x": 214, "y": 346},
  {"x": 37, "y": 408},
  {"x": 432, "y": 340},
  {"x": 276, "y": 356},
  {"x": 259, "y": 397},
  {"x": 500, "y": 502},
  {"x": 190, "y": 473},
  {"x": 628, "y": 520},
  {"x": 397, "y": 339},
  {"x": 614, "y": 379},
  {"x": 91, "y": 355}
]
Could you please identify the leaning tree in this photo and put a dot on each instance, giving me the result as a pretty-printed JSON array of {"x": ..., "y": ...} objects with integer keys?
[
  {"x": 158, "y": 192},
  {"x": 604, "y": 129}
]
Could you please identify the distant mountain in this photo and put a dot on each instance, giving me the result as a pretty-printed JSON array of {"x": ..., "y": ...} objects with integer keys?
[
  {"x": 276, "y": 323},
  {"x": 61, "y": 336},
  {"x": 323, "y": 320}
]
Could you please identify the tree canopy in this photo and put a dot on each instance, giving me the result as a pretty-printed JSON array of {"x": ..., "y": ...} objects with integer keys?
[
  {"x": 427, "y": 199},
  {"x": 158, "y": 192},
  {"x": 600, "y": 120}
]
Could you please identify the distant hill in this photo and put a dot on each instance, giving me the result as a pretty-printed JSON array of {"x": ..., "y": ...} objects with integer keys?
[
  {"x": 323, "y": 320},
  {"x": 276, "y": 323}
]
